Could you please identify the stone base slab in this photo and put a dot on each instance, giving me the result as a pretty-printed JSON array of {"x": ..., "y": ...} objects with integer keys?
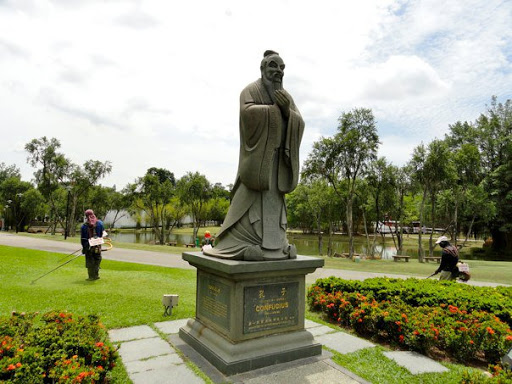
[{"x": 230, "y": 358}]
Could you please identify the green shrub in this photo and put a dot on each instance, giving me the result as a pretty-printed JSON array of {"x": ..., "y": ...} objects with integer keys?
[
  {"x": 56, "y": 347},
  {"x": 403, "y": 318}
]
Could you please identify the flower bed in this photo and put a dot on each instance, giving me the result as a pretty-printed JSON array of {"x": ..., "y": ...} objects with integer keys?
[
  {"x": 402, "y": 317},
  {"x": 57, "y": 347}
]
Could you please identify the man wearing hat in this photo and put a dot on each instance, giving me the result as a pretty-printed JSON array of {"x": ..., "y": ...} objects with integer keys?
[
  {"x": 449, "y": 260},
  {"x": 91, "y": 229}
]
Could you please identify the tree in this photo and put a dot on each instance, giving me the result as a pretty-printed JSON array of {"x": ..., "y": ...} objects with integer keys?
[
  {"x": 152, "y": 194},
  {"x": 346, "y": 156},
  {"x": 195, "y": 191},
  {"x": 432, "y": 170},
  {"x": 21, "y": 201},
  {"x": 381, "y": 182},
  {"x": 495, "y": 143},
  {"x": 79, "y": 182},
  {"x": 7, "y": 171}
]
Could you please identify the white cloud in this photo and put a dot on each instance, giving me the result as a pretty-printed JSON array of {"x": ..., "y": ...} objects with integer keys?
[
  {"x": 401, "y": 78},
  {"x": 151, "y": 83}
]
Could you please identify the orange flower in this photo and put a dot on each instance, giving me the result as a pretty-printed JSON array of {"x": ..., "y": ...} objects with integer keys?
[
  {"x": 490, "y": 331},
  {"x": 401, "y": 338},
  {"x": 508, "y": 338},
  {"x": 471, "y": 342},
  {"x": 18, "y": 365},
  {"x": 99, "y": 344}
]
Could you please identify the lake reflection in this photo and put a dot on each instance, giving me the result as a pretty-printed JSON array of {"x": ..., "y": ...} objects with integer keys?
[{"x": 306, "y": 244}]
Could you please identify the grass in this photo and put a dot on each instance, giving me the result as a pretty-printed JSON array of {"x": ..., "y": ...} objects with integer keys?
[
  {"x": 130, "y": 294},
  {"x": 372, "y": 365},
  {"x": 127, "y": 294}
]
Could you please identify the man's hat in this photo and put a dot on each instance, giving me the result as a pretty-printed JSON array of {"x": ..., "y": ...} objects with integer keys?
[{"x": 442, "y": 238}]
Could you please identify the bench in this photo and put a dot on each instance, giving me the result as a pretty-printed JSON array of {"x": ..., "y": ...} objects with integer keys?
[
  {"x": 433, "y": 258},
  {"x": 191, "y": 245},
  {"x": 173, "y": 243},
  {"x": 400, "y": 257}
]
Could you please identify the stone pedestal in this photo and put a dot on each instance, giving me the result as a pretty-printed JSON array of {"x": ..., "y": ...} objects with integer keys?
[{"x": 250, "y": 315}]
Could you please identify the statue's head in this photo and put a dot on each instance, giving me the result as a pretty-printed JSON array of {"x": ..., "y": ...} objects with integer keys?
[{"x": 272, "y": 69}]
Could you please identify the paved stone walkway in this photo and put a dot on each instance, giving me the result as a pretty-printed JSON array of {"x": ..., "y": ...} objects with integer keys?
[{"x": 150, "y": 355}]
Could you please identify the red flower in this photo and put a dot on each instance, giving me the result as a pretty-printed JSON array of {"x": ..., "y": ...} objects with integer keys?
[
  {"x": 508, "y": 338},
  {"x": 11, "y": 367},
  {"x": 453, "y": 309},
  {"x": 99, "y": 344},
  {"x": 401, "y": 338},
  {"x": 490, "y": 331}
]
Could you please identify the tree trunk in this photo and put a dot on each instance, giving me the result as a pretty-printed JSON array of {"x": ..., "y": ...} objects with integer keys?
[
  {"x": 320, "y": 237},
  {"x": 349, "y": 228},
  {"x": 421, "y": 252},
  {"x": 329, "y": 242},
  {"x": 369, "y": 251},
  {"x": 469, "y": 229},
  {"x": 430, "y": 242},
  {"x": 71, "y": 219}
]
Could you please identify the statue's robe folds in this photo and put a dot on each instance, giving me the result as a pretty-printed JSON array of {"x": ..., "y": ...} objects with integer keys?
[{"x": 268, "y": 169}]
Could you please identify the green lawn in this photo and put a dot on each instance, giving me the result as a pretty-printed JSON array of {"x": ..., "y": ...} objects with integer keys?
[{"x": 127, "y": 294}]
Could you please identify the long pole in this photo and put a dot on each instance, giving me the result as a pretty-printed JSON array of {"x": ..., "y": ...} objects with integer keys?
[{"x": 54, "y": 269}]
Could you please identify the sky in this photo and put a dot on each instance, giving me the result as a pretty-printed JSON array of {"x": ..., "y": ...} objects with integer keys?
[{"x": 156, "y": 83}]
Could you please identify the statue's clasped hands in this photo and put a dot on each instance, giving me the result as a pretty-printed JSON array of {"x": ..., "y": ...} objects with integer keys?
[{"x": 283, "y": 102}]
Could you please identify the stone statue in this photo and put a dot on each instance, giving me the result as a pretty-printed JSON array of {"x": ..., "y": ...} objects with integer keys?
[{"x": 271, "y": 129}]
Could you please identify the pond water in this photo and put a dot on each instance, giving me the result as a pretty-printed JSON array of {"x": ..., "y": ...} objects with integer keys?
[{"x": 306, "y": 244}]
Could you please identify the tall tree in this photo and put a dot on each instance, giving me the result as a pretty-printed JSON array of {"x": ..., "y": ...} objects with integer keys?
[
  {"x": 151, "y": 194},
  {"x": 495, "y": 142},
  {"x": 53, "y": 165},
  {"x": 79, "y": 183},
  {"x": 195, "y": 190},
  {"x": 345, "y": 156}
]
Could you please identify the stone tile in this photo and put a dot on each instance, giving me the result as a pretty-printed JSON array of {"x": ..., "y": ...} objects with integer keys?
[
  {"x": 154, "y": 363},
  {"x": 322, "y": 330},
  {"x": 415, "y": 362},
  {"x": 343, "y": 342},
  {"x": 174, "y": 374},
  {"x": 318, "y": 372},
  {"x": 144, "y": 349},
  {"x": 311, "y": 324},
  {"x": 173, "y": 326},
  {"x": 131, "y": 333}
]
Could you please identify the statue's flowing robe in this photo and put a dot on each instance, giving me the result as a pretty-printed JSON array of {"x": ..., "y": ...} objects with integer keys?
[{"x": 268, "y": 168}]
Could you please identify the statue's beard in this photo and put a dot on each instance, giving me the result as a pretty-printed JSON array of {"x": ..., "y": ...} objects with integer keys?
[
  {"x": 272, "y": 86},
  {"x": 277, "y": 84}
]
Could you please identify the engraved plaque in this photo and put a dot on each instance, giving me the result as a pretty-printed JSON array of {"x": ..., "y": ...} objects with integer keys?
[
  {"x": 213, "y": 301},
  {"x": 270, "y": 306}
]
